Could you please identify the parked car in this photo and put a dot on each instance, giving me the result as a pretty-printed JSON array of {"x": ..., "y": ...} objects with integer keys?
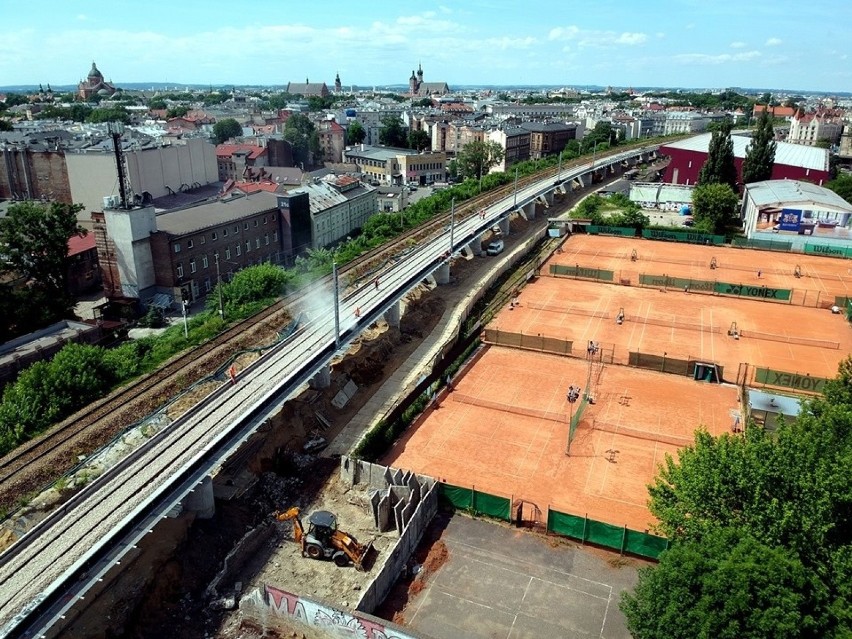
[{"x": 495, "y": 247}]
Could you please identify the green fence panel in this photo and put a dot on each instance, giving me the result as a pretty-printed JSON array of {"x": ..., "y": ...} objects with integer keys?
[
  {"x": 566, "y": 525},
  {"x": 491, "y": 505},
  {"x": 789, "y": 380},
  {"x": 457, "y": 496},
  {"x": 582, "y": 271},
  {"x": 759, "y": 292},
  {"x": 829, "y": 250},
  {"x": 605, "y": 534},
  {"x": 683, "y": 236},
  {"x": 644, "y": 545},
  {"x": 665, "y": 281},
  {"x": 625, "y": 231},
  {"x": 768, "y": 245}
]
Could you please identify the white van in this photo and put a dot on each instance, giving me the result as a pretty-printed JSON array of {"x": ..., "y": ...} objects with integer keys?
[{"x": 495, "y": 247}]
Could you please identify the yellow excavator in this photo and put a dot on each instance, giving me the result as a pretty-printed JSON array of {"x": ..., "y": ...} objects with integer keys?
[{"x": 323, "y": 540}]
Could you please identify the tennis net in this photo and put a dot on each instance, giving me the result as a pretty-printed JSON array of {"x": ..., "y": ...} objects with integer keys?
[
  {"x": 672, "y": 323},
  {"x": 553, "y": 416},
  {"x": 573, "y": 310},
  {"x": 663, "y": 438},
  {"x": 791, "y": 339}
]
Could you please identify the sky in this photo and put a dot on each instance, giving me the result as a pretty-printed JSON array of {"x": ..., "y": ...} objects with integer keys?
[{"x": 621, "y": 43}]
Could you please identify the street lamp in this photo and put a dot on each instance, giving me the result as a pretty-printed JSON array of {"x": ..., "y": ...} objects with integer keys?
[
  {"x": 516, "y": 187},
  {"x": 219, "y": 287}
]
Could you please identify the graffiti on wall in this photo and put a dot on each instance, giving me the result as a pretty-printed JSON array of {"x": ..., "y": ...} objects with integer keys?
[{"x": 311, "y": 613}]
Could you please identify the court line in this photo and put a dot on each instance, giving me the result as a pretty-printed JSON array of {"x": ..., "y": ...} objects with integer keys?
[{"x": 515, "y": 619}]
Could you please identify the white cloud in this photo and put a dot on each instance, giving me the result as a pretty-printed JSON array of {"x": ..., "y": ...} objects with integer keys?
[
  {"x": 722, "y": 58},
  {"x": 738, "y": 45},
  {"x": 773, "y": 42},
  {"x": 594, "y": 38},
  {"x": 632, "y": 38}
]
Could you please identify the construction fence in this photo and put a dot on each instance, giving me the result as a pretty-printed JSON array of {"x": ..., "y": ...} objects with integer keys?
[{"x": 582, "y": 529}]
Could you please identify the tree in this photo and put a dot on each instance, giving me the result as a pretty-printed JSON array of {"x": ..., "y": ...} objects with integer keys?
[
  {"x": 157, "y": 104},
  {"x": 842, "y": 185},
  {"x": 5, "y": 125},
  {"x": 392, "y": 133},
  {"x": 714, "y": 206},
  {"x": 226, "y": 129},
  {"x": 35, "y": 240},
  {"x": 478, "y": 157},
  {"x": 728, "y": 586},
  {"x": 301, "y": 133},
  {"x": 760, "y": 154},
  {"x": 112, "y": 114},
  {"x": 719, "y": 168},
  {"x": 177, "y": 112},
  {"x": 823, "y": 143},
  {"x": 355, "y": 134},
  {"x": 423, "y": 102},
  {"x": 419, "y": 140}
]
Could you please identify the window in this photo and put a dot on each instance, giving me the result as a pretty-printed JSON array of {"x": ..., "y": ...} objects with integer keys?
[
  {"x": 273, "y": 217},
  {"x": 228, "y": 253},
  {"x": 189, "y": 244},
  {"x": 177, "y": 247},
  {"x": 255, "y": 223},
  {"x": 179, "y": 270},
  {"x": 204, "y": 262},
  {"x": 266, "y": 237},
  {"x": 239, "y": 250},
  {"x": 225, "y": 232},
  {"x": 257, "y": 242},
  {"x": 203, "y": 240},
  {"x": 192, "y": 265},
  {"x": 274, "y": 236},
  {"x": 236, "y": 228},
  {"x": 213, "y": 236},
  {"x": 264, "y": 219},
  {"x": 207, "y": 286},
  {"x": 245, "y": 226},
  {"x": 248, "y": 246}
]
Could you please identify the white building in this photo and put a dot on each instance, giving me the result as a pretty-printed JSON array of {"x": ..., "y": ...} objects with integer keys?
[
  {"x": 799, "y": 212},
  {"x": 338, "y": 208}
]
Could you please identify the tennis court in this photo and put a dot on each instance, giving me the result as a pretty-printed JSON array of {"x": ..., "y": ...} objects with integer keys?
[{"x": 504, "y": 430}]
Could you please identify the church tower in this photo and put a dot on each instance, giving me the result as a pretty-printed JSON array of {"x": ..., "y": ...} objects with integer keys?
[{"x": 338, "y": 87}]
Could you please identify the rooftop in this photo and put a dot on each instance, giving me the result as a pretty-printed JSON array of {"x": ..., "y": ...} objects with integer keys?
[
  {"x": 782, "y": 192},
  {"x": 807, "y": 157},
  {"x": 378, "y": 153},
  {"x": 182, "y": 221}
]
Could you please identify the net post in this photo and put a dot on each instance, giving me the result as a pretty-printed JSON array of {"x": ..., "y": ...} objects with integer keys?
[
  {"x": 585, "y": 527},
  {"x": 623, "y": 538}
]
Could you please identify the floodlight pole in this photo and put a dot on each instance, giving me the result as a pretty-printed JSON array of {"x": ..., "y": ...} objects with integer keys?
[{"x": 336, "y": 306}]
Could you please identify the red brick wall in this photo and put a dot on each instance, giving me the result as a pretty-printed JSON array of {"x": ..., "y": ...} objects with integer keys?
[{"x": 48, "y": 175}]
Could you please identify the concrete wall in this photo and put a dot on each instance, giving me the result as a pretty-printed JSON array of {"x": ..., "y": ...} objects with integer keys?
[
  {"x": 93, "y": 175},
  {"x": 130, "y": 232},
  {"x": 409, "y": 500}
]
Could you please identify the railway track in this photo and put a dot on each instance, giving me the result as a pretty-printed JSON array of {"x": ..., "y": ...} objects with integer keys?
[{"x": 15, "y": 467}]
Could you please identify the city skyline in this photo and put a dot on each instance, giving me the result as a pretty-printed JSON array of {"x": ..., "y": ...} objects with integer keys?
[{"x": 674, "y": 43}]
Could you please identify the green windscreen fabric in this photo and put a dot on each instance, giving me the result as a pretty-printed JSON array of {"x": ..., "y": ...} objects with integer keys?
[
  {"x": 457, "y": 496},
  {"x": 491, "y": 505},
  {"x": 605, "y": 534},
  {"x": 644, "y": 545},
  {"x": 567, "y": 525}
]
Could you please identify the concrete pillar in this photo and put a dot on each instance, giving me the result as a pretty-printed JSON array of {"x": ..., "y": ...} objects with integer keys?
[
  {"x": 393, "y": 315},
  {"x": 578, "y": 183},
  {"x": 529, "y": 210},
  {"x": 549, "y": 197},
  {"x": 322, "y": 378},
  {"x": 504, "y": 222},
  {"x": 442, "y": 273},
  {"x": 200, "y": 501},
  {"x": 476, "y": 245}
]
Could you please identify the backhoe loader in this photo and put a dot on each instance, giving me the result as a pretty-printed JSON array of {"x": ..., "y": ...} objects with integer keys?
[{"x": 323, "y": 540}]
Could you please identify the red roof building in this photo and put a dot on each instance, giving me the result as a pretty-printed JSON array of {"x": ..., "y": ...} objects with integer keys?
[{"x": 233, "y": 159}]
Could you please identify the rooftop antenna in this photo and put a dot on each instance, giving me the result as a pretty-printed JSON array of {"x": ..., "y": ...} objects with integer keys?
[{"x": 116, "y": 129}]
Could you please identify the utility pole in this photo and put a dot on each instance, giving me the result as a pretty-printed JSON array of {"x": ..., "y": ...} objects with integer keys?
[
  {"x": 219, "y": 287},
  {"x": 559, "y": 174},
  {"x": 336, "y": 306},
  {"x": 183, "y": 305}
]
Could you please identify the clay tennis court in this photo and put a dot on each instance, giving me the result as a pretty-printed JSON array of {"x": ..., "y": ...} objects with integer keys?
[{"x": 504, "y": 428}]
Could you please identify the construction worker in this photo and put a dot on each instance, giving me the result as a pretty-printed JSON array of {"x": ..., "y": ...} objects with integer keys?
[{"x": 357, "y": 311}]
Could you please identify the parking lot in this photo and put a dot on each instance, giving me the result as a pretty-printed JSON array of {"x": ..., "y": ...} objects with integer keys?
[{"x": 502, "y": 582}]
